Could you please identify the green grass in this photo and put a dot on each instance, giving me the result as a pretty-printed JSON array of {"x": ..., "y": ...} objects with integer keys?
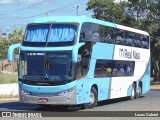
[{"x": 8, "y": 78}]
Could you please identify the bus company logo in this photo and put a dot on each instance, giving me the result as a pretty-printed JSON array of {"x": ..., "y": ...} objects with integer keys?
[
  {"x": 129, "y": 54},
  {"x": 6, "y": 114}
]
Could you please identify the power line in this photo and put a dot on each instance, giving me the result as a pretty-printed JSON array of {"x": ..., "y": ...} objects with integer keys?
[
  {"x": 85, "y": 12},
  {"x": 11, "y": 11},
  {"x": 50, "y": 11},
  {"x": 68, "y": 5}
]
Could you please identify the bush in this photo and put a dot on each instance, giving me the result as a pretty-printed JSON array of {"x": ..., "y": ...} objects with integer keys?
[{"x": 8, "y": 78}]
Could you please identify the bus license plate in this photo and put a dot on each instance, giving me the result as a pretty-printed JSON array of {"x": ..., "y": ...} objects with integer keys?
[{"x": 43, "y": 100}]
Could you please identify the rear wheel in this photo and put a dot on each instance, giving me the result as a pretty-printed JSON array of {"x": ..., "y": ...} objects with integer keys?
[
  {"x": 93, "y": 99},
  {"x": 133, "y": 92},
  {"x": 139, "y": 90}
]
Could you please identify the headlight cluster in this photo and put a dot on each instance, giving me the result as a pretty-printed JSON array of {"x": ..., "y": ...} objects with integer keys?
[
  {"x": 66, "y": 92},
  {"x": 24, "y": 92}
]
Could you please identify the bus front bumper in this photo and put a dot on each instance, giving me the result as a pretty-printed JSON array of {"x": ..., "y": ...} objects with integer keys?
[{"x": 69, "y": 99}]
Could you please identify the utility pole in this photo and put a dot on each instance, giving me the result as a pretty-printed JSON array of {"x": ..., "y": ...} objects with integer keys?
[
  {"x": 77, "y": 10},
  {"x": 0, "y": 32},
  {"x": 8, "y": 31}
]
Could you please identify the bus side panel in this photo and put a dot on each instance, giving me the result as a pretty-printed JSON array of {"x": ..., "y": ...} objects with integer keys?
[
  {"x": 121, "y": 86},
  {"x": 129, "y": 91},
  {"x": 79, "y": 91},
  {"x": 146, "y": 80},
  {"x": 104, "y": 90},
  {"x": 103, "y": 51}
]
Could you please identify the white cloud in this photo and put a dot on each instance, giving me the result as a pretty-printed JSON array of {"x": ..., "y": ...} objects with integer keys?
[
  {"x": 20, "y": 1},
  {"x": 31, "y": 1},
  {"x": 6, "y": 1}
]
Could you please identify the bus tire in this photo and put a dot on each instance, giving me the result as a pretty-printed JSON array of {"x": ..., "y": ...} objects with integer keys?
[
  {"x": 139, "y": 90},
  {"x": 133, "y": 92},
  {"x": 93, "y": 99}
]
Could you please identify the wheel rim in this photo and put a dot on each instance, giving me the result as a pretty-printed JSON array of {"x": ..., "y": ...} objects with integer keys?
[
  {"x": 133, "y": 92},
  {"x": 92, "y": 98},
  {"x": 140, "y": 90}
]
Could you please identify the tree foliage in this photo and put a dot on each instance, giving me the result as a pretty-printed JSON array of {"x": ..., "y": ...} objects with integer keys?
[
  {"x": 13, "y": 38},
  {"x": 107, "y": 10}
]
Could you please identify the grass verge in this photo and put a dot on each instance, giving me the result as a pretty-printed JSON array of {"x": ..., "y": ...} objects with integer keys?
[
  {"x": 8, "y": 78},
  {"x": 8, "y": 96}
]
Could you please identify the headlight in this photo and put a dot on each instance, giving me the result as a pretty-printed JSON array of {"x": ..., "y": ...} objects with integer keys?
[
  {"x": 66, "y": 92},
  {"x": 24, "y": 92}
]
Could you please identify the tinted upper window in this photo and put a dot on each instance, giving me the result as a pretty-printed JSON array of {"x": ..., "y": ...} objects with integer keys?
[
  {"x": 89, "y": 32},
  {"x": 50, "y": 35},
  {"x": 100, "y": 33}
]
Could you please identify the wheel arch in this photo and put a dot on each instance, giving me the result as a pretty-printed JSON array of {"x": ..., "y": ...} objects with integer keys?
[{"x": 96, "y": 87}]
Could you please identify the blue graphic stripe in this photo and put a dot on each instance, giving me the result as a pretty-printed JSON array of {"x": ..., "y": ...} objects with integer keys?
[{"x": 103, "y": 51}]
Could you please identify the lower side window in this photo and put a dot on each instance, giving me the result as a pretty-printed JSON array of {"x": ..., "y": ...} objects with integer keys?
[{"x": 113, "y": 68}]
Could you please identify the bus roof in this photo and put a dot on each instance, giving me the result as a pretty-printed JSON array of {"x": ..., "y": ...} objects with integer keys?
[
  {"x": 132, "y": 29},
  {"x": 82, "y": 19},
  {"x": 74, "y": 19}
]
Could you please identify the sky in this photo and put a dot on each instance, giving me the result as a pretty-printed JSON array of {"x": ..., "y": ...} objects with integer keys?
[{"x": 17, "y": 13}]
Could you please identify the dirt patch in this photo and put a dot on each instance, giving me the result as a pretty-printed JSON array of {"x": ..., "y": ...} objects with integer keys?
[
  {"x": 8, "y": 66},
  {"x": 155, "y": 87}
]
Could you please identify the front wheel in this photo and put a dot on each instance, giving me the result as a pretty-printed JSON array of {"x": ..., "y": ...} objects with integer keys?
[{"x": 93, "y": 99}]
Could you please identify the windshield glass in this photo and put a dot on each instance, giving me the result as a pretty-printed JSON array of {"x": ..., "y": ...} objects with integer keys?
[
  {"x": 52, "y": 66},
  {"x": 50, "y": 34}
]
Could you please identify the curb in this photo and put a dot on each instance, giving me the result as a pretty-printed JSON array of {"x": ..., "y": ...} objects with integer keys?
[
  {"x": 155, "y": 89},
  {"x": 9, "y": 89}
]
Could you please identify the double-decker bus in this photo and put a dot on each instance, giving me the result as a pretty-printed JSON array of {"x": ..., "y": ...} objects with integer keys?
[{"x": 70, "y": 60}]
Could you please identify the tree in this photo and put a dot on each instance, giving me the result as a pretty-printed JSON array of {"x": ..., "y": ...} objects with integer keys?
[
  {"x": 16, "y": 35},
  {"x": 137, "y": 9},
  {"x": 3, "y": 48},
  {"x": 154, "y": 30},
  {"x": 148, "y": 18},
  {"x": 107, "y": 10},
  {"x": 13, "y": 38}
]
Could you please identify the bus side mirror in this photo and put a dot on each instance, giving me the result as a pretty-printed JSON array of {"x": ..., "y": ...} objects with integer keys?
[{"x": 11, "y": 49}]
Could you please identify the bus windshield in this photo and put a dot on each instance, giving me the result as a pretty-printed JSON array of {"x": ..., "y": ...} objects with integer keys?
[
  {"x": 50, "y": 35},
  {"x": 51, "y": 66}
]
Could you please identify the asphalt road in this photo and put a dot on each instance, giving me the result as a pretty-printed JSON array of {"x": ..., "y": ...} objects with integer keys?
[{"x": 147, "y": 102}]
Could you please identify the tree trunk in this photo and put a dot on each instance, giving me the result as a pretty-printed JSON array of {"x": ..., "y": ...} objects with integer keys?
[
  {"x": 156, "y": 71},
  {"x": 152, "y": 73}
]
